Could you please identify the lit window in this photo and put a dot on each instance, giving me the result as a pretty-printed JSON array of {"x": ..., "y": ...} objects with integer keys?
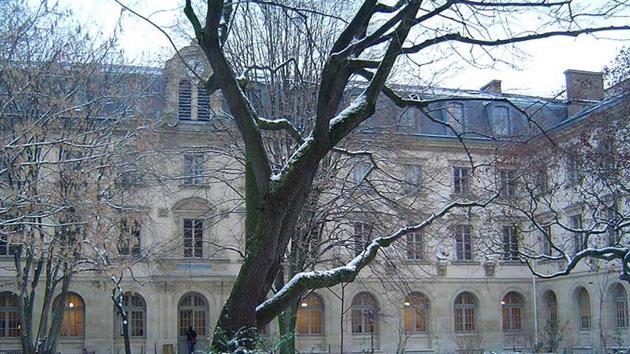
[
  {"x": 364, "y": 314},
  {"x": 620, "y": 306},
  {"x": 194, "y": 169},
  {"x": 465, "y": 308},
  {"x": 73, "y": 324},
  {"x": 501, "y": 123},
  {"x": 193, "y": 238},
  {"x": 203, "y": 103},
  {"x": 185, "y": 100},
  {"x": 129, "y": 239},
  {"x": 415, "y": 313},
  {"x": 461, "y": 180},
  {"x": 310, "y": 315},
  {"x": 362, "y": 233},
  {"x": 463, "y": 242},
  {"x": 415, "y": 245},
  {"x": 510, "y": 242},
  {"x": 511, "y": 310},
  {"x": 9, "y": 317},
  {"x": 584, "y": 309}
]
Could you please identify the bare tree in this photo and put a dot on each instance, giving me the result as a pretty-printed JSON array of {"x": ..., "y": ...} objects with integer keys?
[
  {"x": 368, "y": 47},
  {"x": 66, "y": 113}
]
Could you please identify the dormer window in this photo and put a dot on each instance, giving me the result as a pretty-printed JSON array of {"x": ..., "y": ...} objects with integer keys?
[
  {"x": 500, "y": 121},
  {"x": 203, "y": 103},
  {"x": 185, "y": 100},
  {"x": 455, "y": 115}
]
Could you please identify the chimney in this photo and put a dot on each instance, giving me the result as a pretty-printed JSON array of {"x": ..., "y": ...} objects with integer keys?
[
  {"x": 493, "y": 86},
  {"x": 584, "y": 88}
]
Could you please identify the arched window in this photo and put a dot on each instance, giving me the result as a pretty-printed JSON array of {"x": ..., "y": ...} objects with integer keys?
[
  {"x": 465, "y": 308},
  {"x": 511, "y": 310},
  {"x": 73, "y": 324},
  {"x": 364, "y": 313},
  {"x": 620, "y": 306},
  {"x": 584, "y": 309},
  {"x": 203, "y": 103},
  {"x": 310, "y": 315},
  {"x": 9, "y": 318},
  {"x": 193, "y": 312},
  {"x": 136, "y": 314},
  {"x": 415, "y": 313},
  {"x": 551, "y": 307},
  {"x": 185, "y": 100}
]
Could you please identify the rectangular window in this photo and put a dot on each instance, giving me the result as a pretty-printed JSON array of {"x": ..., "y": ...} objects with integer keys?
[
  {"x": 573, "y": 168},
  {"x": 461, "y": 180},
  {"x": 203, "y": 100},
  {"x": 193, "y": 238},
  {"x": 455, "y": 115},
  {"x": 542, "y": 181},
  {"x": 185, "y": 100},
  {"x": 415, "y": 245},
  {"x": 129, "y": 239},
  {"x": 546, "y": 240},
  {"x": 579, "y": 238},
  {"x": 413, "y": 178},
  {"x": 621, "y": 312},
  {"x": 507, "y": 184},
  {"x": 501, "y": 124},
  {"x": 362, "y": 233},
  {"x": 194, "y": 169},
  {"x": 614, "y": 235},
  {"x": 463, "y": 242},
  {"x": 510, "y": 242}
]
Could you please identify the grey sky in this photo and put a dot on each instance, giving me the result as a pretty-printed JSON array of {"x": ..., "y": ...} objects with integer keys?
[{"x": 540, "y": 74}]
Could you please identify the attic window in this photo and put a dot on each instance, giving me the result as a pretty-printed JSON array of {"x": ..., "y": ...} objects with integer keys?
[
  {"x": 455, "y": 114},
  {"x": 185, "y": 100},
  {"x": 203, "y": 102},
  {"x": 500, "y": 121}
]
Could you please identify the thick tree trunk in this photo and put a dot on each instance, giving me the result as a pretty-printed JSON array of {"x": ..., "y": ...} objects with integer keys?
[{"x": 286, "y": 325}]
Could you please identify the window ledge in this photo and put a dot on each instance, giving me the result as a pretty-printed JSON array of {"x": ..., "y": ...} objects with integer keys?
[
  {"x": 465, "y": 263},
  {"x": 194, "y": 185},
  {"x": 416, "y": 261},
  {"x": 511, "y": 263}
]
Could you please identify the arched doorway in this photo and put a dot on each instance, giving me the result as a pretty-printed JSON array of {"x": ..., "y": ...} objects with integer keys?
[{"x": 192, "y": 311}]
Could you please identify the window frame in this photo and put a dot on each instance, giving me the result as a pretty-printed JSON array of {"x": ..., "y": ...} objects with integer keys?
[
  {"x": 10, "y": 326},
  {"x": 506, "y": 130},
  {"x": 461, "y": 180},
  {"x": 364, "y": 314},
  {"x": 465, "y": 313},
  {"x": 512, "y": 312},
  {"x": 184, "y": 100},
  {"x": 584, "y": 309},
  {"x": 194, "y": 169},
  {"x": 415, "y": 245},
  {"x": 463, "y": 242},
  {"x": 127, "y": 234},
  {"x": 193, "y": 237},
  {"x": 509, "y": 235},
  {"x": 362, "y": 232},
  {"x": 310, "y": 309},
  {"x": 416, "y": 313}
]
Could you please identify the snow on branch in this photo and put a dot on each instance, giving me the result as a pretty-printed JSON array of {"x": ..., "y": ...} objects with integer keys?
[{"x": 311, "y": 280}]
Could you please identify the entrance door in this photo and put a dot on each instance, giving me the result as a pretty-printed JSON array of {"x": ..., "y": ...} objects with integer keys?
[{"x": 193, "y": 312}]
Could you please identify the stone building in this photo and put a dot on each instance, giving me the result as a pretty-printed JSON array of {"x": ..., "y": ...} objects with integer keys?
[{"x": 458, "y": 286}]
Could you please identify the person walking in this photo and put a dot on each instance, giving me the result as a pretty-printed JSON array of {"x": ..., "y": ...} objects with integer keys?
[{"x": 191, "y": 337}]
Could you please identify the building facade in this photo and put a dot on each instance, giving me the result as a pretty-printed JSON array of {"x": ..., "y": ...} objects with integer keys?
[{"x": 457, "y": 286}]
